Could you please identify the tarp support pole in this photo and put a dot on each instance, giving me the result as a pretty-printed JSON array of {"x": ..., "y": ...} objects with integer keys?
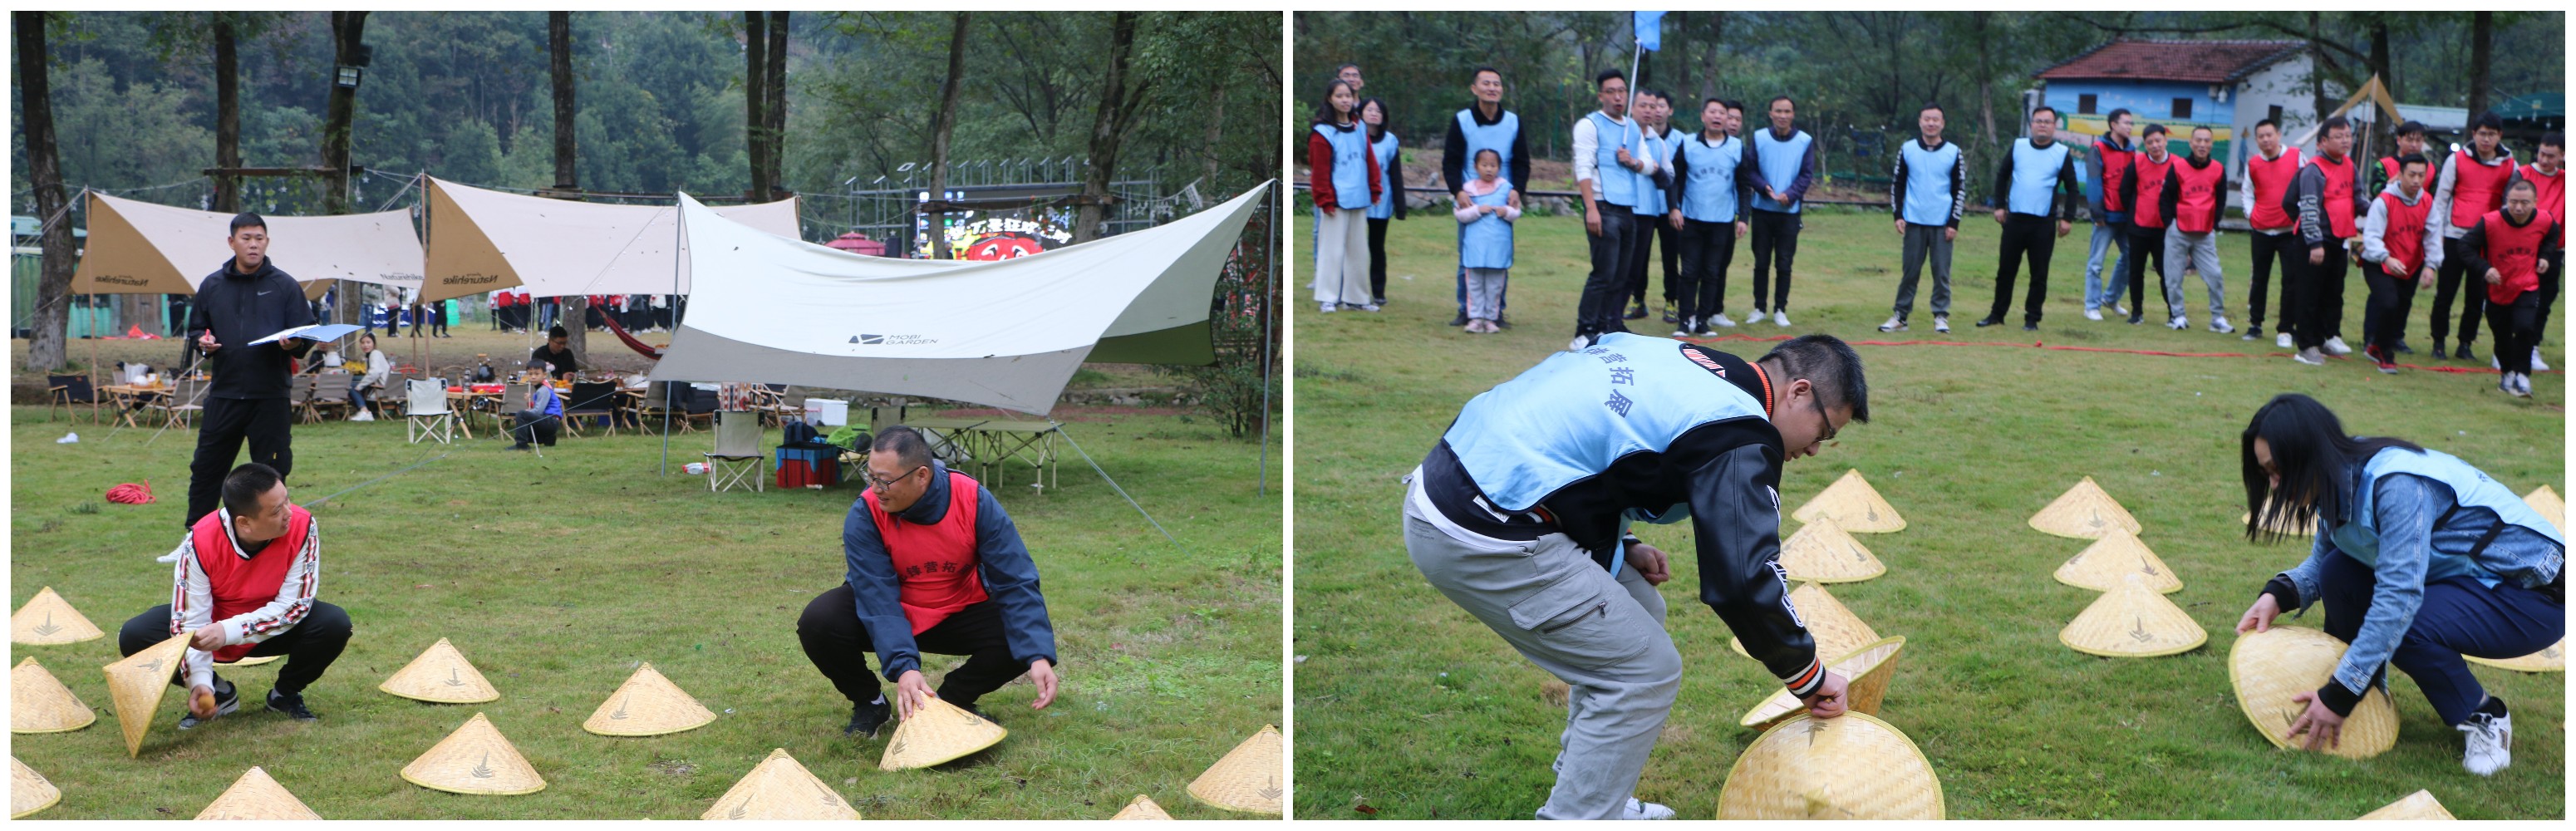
[
  {"x": 1113, "y": 483},
  {"x": 1269, "y": 278}
]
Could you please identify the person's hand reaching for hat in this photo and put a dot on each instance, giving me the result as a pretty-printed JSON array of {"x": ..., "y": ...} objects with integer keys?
[
  {"x": 1042, "y": 674},
  {"x": 2324, "y": 728},
  {"x": 911, "y": 693},
  {"x": 2258, "y": 618},
  {"x": 1827, "y": 701}
]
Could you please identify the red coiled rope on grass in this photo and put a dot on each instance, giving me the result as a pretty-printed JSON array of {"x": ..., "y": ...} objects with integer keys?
[{"x": 131, "y": 494}]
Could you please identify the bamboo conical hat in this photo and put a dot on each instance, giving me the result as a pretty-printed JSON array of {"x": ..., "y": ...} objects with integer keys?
[
  {"x": 2269, "y": 668},
  {"x": 779, "y": 788},
  {"x": 1823, "y": 553},
  {"x": 938, "y": 733},
  {"x": 2419, "y": 805},
  {"x": 1853, "y": 766},
  {"x": 2551, "y": 507},
  {"x": 1854, "y": 505},
  {"x": 39, "y": 703},
  {"x": 136, "y": 684},
  {"x": 648, "y": 705},
  {"x": 1247, "y": 779},
  {"x": 48, "y": 619},
  {"x": 1866, "y": 672},
  {"x": 441, "y": 675},
  {"x": 2083, "y": 512},
  {"x": 2551, "y": 658},
  {"x": 1837, "y": 631},
  {"x": 256, "y": 796},
  {"x": 28, "y": 790},
  {"x": 2109, "y": 561},
  {"x": 2133, "y": 621},
  {"x": 475, "y": 760},
  {"x": 1142, "y": 807}
]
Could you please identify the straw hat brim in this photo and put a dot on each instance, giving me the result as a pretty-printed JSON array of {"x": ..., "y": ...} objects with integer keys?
[
  {"x": 2267, "y": 669},
  {"x": 1866, "y": 672},
  {"x": 938, "y": 733},
  {"x": 2551, "y": 658},
  {"x": 2419, "y": 805},
  {"x": 648, "y": 704},
  {"x": 2132, "y": 622},
  {"x": 39, "y": 794},
  {"x": 1143, "y": 808},
  {"x": 421, "y": 680},
  {"x": 1822, "y": 552},
  {"x": 444, "y": 766},
  {"x": 1837, "y": 630},
  {"x": 2083, "y": 512},
  {"x": 49, "y": 620},
  {"x": 257, "y": 796},
  {"x": 39, "y": 703},
  {"x": 1851, "y": 502},
  {"x": 1248, "y": 778},
  {"x": 1850, "y": 767}
]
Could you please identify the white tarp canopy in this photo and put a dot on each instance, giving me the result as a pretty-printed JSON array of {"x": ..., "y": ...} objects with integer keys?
[
  {"x": 143, "y": 248},
  {"x": 485, "y": 240},
  {"x": 1005, "y": 333}
]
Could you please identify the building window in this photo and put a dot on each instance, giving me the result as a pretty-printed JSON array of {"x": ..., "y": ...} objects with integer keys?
[
  {"x": 2084, "y": 103},
  {"x": 2181, "y": 108},
  {"x": 2276, "y": 114}
]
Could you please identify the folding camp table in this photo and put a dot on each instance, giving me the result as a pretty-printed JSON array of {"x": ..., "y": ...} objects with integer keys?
[{"x": 989, "y": 444}]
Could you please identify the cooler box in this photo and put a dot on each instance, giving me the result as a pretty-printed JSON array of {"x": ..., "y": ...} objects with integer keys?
[
  {"x": 825, "y": 412},
  {"x": 801, "y": 467}
]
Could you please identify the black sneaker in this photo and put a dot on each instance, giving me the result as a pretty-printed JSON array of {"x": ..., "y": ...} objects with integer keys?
[
  {"x": 291, "y": 705},
  {"x": 2255, "y": 333},
  {"x": 865, "y": 719},
  {"x": 2463, "y": 353},
  {"x": 227, "y": 702},
  {"x": 2030, "y": 326},
  {"x": 1460, "y": 320},
  {"x": 2403, "y": 348},
  {"x": 1989, "y": 320},
  {"x": 2438, "y": 354},
  {"x": 2138, "y": 318},
  {"x": 1636, "y": 311},
  {"x": 1500, "y": 322}
]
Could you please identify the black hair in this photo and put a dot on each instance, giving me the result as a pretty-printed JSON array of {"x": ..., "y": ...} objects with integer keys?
[
  {"x": 2557, "y": 140},
  {"x": 1793, "y": 103},
  {"x": 2154, "y": 130},
  {"x": 538, "y": 364},
  {"x": 246, "y": 219},
  {"x": 2412, "y": 159},
  {"x": 1498, "y": 74},
  {"x": 1480, "y": 156},
  {"x": 1931, "y": 105},
  {"x": 2487, "y": 121},
  {"x": 905, "y": 443},
  {"x": 1607, "y": 74},
  {"x": 2314, "y": 458},
  {"x": 246, "y": 484},
  {"x": 1384, "y": 115},
  {"x": 1720, "y": 102},
  {"x": 557, "y": 331},
  {"x": 1650, "y": 92},
  {"x": 2520, "y": 183},
  {"x": 1829, "y": 364},
  {"x": 1324, "y": 113},
  {"x": 2333, "y": 122},
  {"x": 2275, "y": 125},
  {"x": 2411, "y": 128},
  {"x": 1735, "y": 104},
  {"x": 2044, "y": 108},
  {"x": 1338, "y": 69},
  {"x": 2204, "y": 128},
  {"x": 2114, "y": 116}
]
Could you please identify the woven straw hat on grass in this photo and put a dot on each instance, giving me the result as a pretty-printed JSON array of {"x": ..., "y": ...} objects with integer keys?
[
  {"x": 48, "y": 619},
  {"x": 1853, "y": 766},
  {"x": 2269, "y": 668},
  {"x": 1854, "y": 505},
  {"x": 39, "y": 703},
  {"x": 252, "y": 661},
  {"x": 2419, "y": 805},
  {"x": 1247, "y": 779},
  {"x": 441, "y": 675},
  {"x": 2133, "y": 621},
  {"x": 2551, "y": 658},
  {"x": 1822, "y": 552},
  {"x": 1836, "y": 629},
  {"x": 1866, "y": 673},
  {"x": 2084, "y": 512},
  {"x": 938, "y": 733},
  {"x": 2105, "y": 564},
  {"x": 28, "y": 790},
  {"x": 1142, "y": 807},
  {"x": 136, "y": 683},
  {"x": 475, "y": 760},
  {"x": 2551, "y": 507},
  {"x": 256, "y": 796},
  {"x": 648, "y": 705},
  {"x": 779, "y": 788}
]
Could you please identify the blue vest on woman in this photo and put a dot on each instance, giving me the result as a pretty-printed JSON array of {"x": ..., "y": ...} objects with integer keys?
[
  {"x": 1385, "y": 148},
  {"x": 2359, "y": 539},
  {"x": 1487, "y": 242},
  {"x": 1350, "y": 164},
  {"x": 1780, "y": 161}
]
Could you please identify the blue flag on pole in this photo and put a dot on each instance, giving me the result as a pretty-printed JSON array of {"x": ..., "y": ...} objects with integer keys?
[{"x": 1650, "y": 30}]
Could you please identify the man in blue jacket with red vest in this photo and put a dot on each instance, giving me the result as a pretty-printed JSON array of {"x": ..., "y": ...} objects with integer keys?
[{"x": 935, "y": 566}]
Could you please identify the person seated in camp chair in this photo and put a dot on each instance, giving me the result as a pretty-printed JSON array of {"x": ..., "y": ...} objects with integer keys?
[
  {"x": 244, "y": 587},
  {"x": 935, "y": 566},
  {"x": 544, "y": 414}
]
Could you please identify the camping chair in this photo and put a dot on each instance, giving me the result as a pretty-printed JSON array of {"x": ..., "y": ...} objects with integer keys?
[
  {"x": 506, "y": 410},
  {"x": 185, "y": 399},
  {"x": 737, "y": 455},
  {"x": 70, "y": 392},
  {"x": 425, "y": 413},
  {"x": 665, "y": 399},
  {"x": 396, "y": 382},
  {"x": 591, "y": 398},
  {"x": 299, "y": 394},
  {"x": 330, "y": 395}
]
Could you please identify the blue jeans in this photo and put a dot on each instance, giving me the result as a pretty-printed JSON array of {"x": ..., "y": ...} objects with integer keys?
[
  {"x": 2459, "y": 616},
  {"x": 2106, "y": 234}
]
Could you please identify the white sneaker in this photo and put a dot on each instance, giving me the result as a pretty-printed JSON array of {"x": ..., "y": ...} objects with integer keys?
[
  {"x": 363, "y": 416},
  {"x": 1893, "y": 324},
  {"x": 2521, "y": 385},
  {"x": 1328, "y": 307},
  {"x": 2122, "y": 308},
  {"x": 1649, "y": 810},
  {"x": 1779, "y": 318},
  {"x": 1580, "y": 343},
  {"x": 1368, "y": 307},
  {"x": 2490, "y": 747},
  {"x": 2092, "y": 314},
  {"x": 2178, "y": 322},
  {"x": 2283, "y": 341},
  {"x": 2219, "y": 325},
  {"x": 2491, "y": 364},
  {"x": 1940, "y": 323},
  {"x": 2335, "y": 347},
  {"x": 2538, "y": 365},
  {"x": 1721, "y": 320},
  {"x": 2310, "y": 357}
]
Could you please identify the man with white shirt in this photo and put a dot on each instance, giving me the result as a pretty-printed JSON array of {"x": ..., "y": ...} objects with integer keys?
[
  {"x": 2398, "y": 258},
  {"x": 2471, "y": 183},
  {"x": 2268, "y": 174},
  {"x": 1604, "y": 164},
  {"x": 2547, "y": 174}
]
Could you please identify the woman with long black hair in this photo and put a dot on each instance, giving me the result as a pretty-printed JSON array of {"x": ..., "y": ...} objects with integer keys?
[
  {"x": 1344, "y": 182},
  {"x": 2418, "y": 559},
  {"x": 1386, "y": 151}
]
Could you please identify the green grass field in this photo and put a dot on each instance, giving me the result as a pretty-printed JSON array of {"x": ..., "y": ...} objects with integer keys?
[
  {"x": 1408, "y": 706},
  {"x": 556, "y": 576}
]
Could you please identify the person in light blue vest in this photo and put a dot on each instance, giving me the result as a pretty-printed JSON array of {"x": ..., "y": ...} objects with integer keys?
[
  {"x": 1709, "y": 192},
  {"x": 2034, "y": 183},
  {"x": 1927, "y": 195},
  {"x": 1485, "y": 220},
  {"x": 1390, "y": 198},
  {"x": 1651, "y": 108},
  {"x": 1521, "y": 516},
  {"x": 1605, "y": 154},
  {"x": 1783, "y": 165},
  {"x": 2418, "y": 559},
  {"x": 1485, "y": 126},
  {"x": 1344, "y": 182}
]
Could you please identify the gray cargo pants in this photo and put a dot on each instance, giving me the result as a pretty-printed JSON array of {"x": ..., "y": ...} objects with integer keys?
[
  {"x": 2197, "y": 252},
  {"x": 1602, "y": 636}
]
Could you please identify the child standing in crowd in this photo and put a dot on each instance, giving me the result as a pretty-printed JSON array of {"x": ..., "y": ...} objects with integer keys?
[
  {"x": 1390, "y": 185},
  {"x": 1345, "y": 182},
  {"x": 1485, "y": 218}
]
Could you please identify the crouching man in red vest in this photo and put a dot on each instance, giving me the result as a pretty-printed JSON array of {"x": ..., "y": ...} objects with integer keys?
[
  {"x": 243, "y": 588},
  {"x": 935, "y": 566}
]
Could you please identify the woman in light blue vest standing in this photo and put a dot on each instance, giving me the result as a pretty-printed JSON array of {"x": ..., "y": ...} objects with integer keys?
[
  {"x": 1344, "y": 182},
  {"x": 2418, "y": 559},
  {"x": 1390, "y": 200},
  {"x": 1485, "y": 240}
]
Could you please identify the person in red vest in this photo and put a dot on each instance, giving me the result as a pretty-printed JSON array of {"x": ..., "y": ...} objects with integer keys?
[
  {"x": 2547, "y": 174},
  {"x": 2410, "y": 142},
  {"x": 2142, "y": 189},
  {"x": 2106, "y": 165},
  {"x": 244, "y": 588},
  {"x": 2329, "y": 201},
  {"x": 2394, "y": 243},
  {"x": 2268, "y": 173},
  {"x": 2511, "y": 248},
  {"x": 2471, "y": 185},
  {"x": 2191, "y": 196},
  {"x": 935, "y": 566}
]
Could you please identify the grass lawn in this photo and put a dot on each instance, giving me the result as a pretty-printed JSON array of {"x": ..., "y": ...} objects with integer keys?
[
  {"x": 555, "y": 576},
  {"x": 1407, "y": 705}
]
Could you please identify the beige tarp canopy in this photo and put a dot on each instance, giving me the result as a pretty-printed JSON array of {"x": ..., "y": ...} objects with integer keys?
[
  {"x": 485, "y": 240},
  {"x": 143, "y": 248}
]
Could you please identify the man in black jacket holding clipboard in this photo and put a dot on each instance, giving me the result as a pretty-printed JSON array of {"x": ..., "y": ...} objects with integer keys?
[{"x": 246, "y": 300}]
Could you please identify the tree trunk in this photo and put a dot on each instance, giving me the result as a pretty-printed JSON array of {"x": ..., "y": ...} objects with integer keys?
[
  {"x": 1216, "y": 131},
  {"x": 348, "y": 31},
  {"x": 775, "y": 112},
  {"x": 2481, "y": 56},
  {"x": 44, "y": 169},
  {"x": 227, "y": 113},
  {"x": 567, "y": 159},
  {"x": 1986, "y": 75},
  {"x": 942, "y": 122},
  {"x": 2384, "y": 134},
  {"x": 755, "y": 100},
  {"x": 2317, "y": 73},
  {"x": 1108, "y": 128}
]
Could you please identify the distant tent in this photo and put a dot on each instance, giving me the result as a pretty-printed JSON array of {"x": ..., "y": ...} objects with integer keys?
[
  {"x": 1007, "y": 333},
  {"x": 484, "y": 240},
  {"x": 143, "y": 248}
]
